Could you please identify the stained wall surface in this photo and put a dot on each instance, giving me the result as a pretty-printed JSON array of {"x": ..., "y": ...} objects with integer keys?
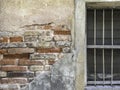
[{"x": 34, "y": 34}]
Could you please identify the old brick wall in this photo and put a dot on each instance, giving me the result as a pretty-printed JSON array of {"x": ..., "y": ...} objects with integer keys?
[
  {"x": 34, "y": 34},
  {"x": 24, "y": 54}
]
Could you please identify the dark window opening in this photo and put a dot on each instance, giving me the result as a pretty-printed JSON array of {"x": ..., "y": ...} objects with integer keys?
[{"x": 103, "y": 46}]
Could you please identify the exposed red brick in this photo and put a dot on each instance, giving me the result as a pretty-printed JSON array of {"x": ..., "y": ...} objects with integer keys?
[
  {"x": 4, "y": 39},
  {"x": 8, "y": 62},
  {"x": 14, "y": 80},
  {"x": 14, "y": 68},
  {"x": 49, "y": 50},
  {"x": 16, "y": 56},
  {"x": 30, "y": 62},
  {"x": 16, "y": 39},
  {"x": 3, "y": 51},
  {"x": 51, "y": 62},
  {"x": 61, "y": 32}
]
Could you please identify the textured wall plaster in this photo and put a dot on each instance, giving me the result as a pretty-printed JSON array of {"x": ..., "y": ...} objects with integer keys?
[{"x": 17, "y": 13}]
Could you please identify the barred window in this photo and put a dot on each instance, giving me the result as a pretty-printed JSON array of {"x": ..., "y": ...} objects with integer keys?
[{"x": 103, "y": 46}]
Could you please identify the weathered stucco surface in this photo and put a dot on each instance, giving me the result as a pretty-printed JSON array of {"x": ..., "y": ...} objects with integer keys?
[
  {"x": 17, "y": 13},
  {"x": 69, "y": 73}
]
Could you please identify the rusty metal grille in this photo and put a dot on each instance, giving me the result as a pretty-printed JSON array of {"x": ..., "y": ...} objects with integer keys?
[{"x": 103, "y": 47}]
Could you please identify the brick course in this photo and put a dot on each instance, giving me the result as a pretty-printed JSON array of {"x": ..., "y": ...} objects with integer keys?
[
  {"x": 49, "y": 50},
  {"x": 60, "y": 32},
  {"x": 8, "y": 62},
  {"x": 3, "y": 51},
  {"x": 16, "y": 39},
  {"x": 30, "y": 62},
  {"x": 14, "y": 80},
  {"x": 20, "y": 50},
  {"x": 23, "y": 55},
  {"x": 20, "y": 74},
  {"x": 16, "y": 56},
  {"x": 4, "y": 39},
  {"x": 14, "y": 68}
]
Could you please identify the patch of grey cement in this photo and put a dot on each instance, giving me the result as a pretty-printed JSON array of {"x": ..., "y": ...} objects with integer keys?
[{"x": 61, "y": 77}]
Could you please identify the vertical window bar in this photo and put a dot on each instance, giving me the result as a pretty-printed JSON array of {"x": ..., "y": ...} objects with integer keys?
[
  {"x": 95, "y": 27},
  {"x": 94, "y": 48},
  {"x": 103, "y": 49},
  {"x": 94, "y": 66},
  {"x": 112, "y": 27},
  {"x": 112, "y": 49},
  {"x": 103, "y": 26}
]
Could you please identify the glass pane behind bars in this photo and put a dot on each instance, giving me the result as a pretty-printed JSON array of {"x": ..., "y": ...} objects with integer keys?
[
  {"x": 107, "y": 54},
  {"x": 103, "y": 64},
  {"x": 116, "y": 63},
  {"x": 90, "y": 27},
  {"x": 99, "y": 27},
  {"x": 116, "y": 24},
  {"x": 108, "y": 28}
]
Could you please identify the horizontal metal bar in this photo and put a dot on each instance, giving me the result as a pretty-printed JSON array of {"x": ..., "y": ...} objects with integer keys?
[
  {"x": 102, "y": 87},
  {"x": 105, "y": 82},
  {"x": 104, "y": 46}
]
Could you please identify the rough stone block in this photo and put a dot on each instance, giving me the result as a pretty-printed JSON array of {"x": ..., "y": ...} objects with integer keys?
[
  {"x": 42, "y": 61},
  {"x": 20, "y": 50},
  {"x": 47, "y": 67},
  {"x": 45, "y": 33},
  {"x": 9, "y": 87},
  {"x": 12, "y": 45},
  {"x": 16, "y": 39},
  {"x": 14, "y": 80},
  {"x": 36, "y": 68},
  {"x": 16, "y": 45},
  {"x": 46, "y": 44},
  {"x": 1, "y": 56},
  {"x": 3, "y": 74},
  {"x": 63, "y": 44},
  {"x": 30, "y": 62},
  {"x": 3, "y": 51},
  {"x": 31, "y": 33},
  {"x": 8, "y": 62},
  {"x": 49, "y": 50},
  {"x": 14, "y": 68},
  {"x": 31, "y": 44},
  {"x": 5, "y": 33},
  {"x": 20, "y": 74},
  {"x": 45, "y": 38},
  {"x": 30, "y": 80},
  {"x": 43, "y": 56},
  {"x": 50, "y": 62},
  {"x": 62, "y": 38},
  {"x": 4, "y": 39},
  {"x": 66, "y": 50},
  {"x": 18, "y": 33},
  {"x": 42, "y": 32},
  {"x": 31, "y": 38}
]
